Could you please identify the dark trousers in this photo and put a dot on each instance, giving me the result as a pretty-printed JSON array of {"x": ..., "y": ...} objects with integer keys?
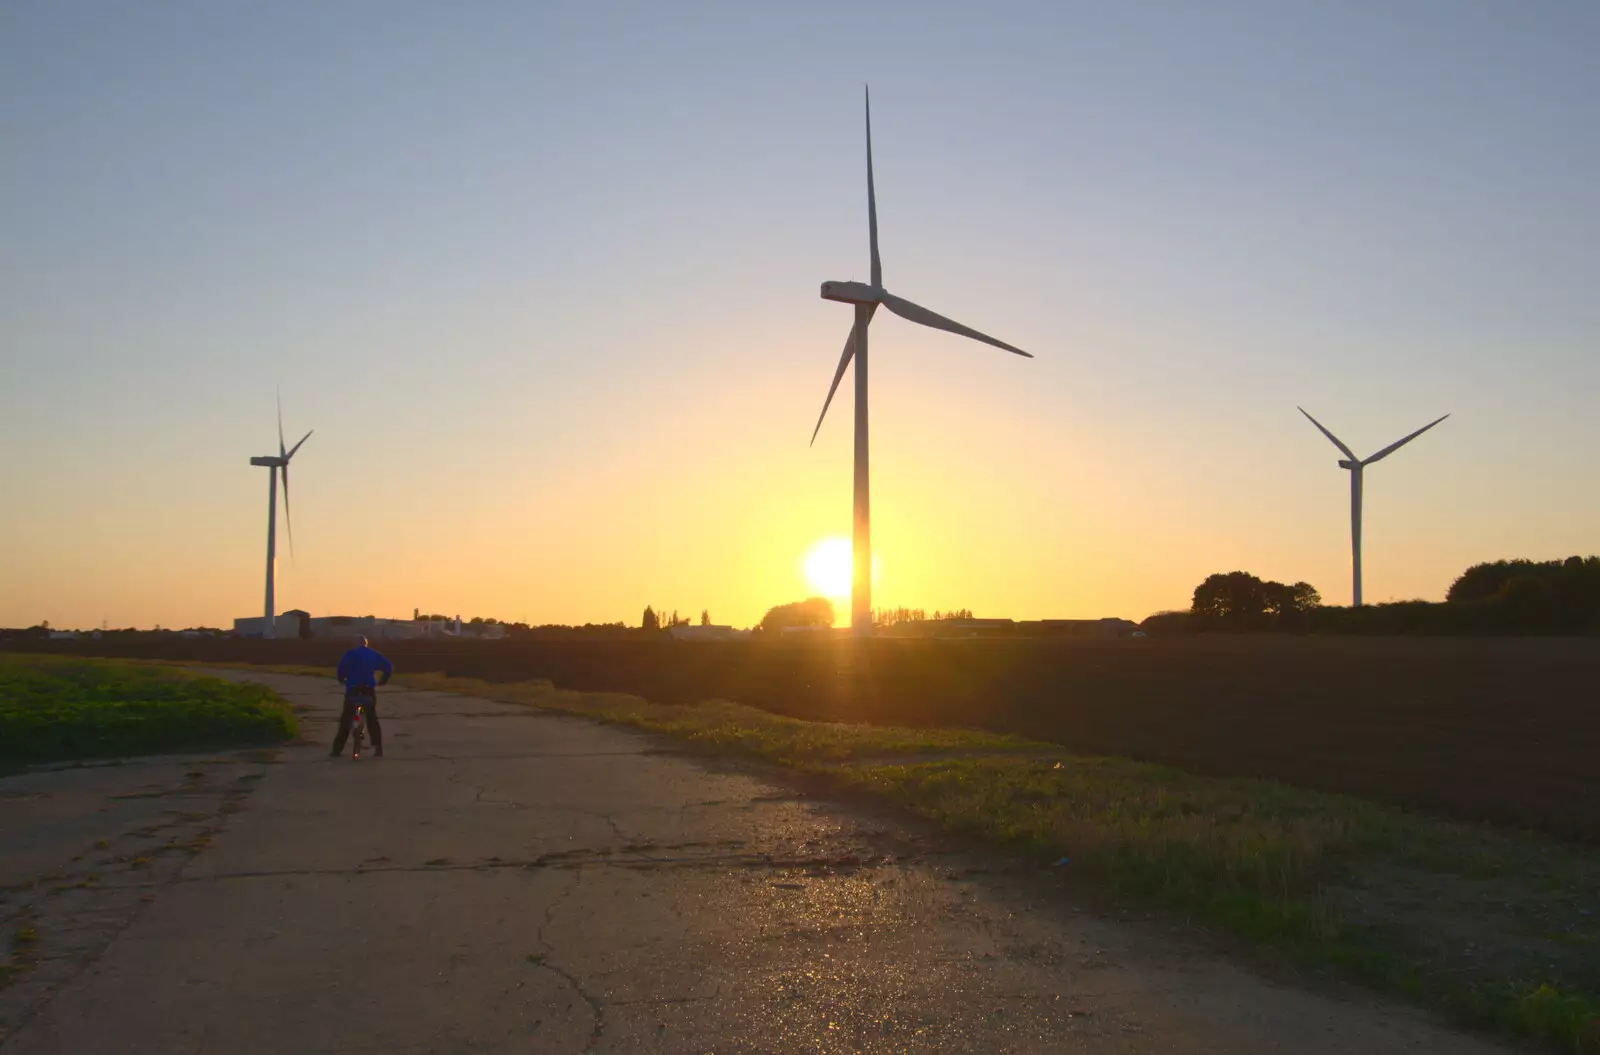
[{"x": 368, "y": 699}]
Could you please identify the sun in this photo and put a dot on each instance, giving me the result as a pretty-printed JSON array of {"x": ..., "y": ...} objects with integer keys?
[{"x": 829, "y": 567}]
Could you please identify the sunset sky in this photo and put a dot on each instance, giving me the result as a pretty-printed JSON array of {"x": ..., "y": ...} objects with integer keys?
[{"x": 544, "y": 279}]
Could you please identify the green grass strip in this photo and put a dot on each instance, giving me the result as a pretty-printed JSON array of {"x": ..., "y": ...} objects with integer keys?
[{"x": 64, "y": 709}]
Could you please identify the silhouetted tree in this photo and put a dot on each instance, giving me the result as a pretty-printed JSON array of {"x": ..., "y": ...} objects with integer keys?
[
  {"x": 1240, "y": 600},
  {"x": 1284, "y": 600},
  {"x": 1235, "y": 596},
  {"x": 651, "y": 620},
  {"x": 705, "y": 617},
  {"x": 903, "y": 616},
  {"x": 813, "y": 611},
  {"x": 1520, "y": 596},
  {"x": 1483, "y": 581}
]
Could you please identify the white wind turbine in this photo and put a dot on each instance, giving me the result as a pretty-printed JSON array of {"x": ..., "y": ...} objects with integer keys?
[
  {"x": 277, "y": 464},
  {"x": 1355, "y": 466},
  {"x": 866, "y": 299}
]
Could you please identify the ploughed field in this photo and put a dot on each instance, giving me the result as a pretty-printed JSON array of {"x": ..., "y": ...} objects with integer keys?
[{"x": 1503, "y": 729}]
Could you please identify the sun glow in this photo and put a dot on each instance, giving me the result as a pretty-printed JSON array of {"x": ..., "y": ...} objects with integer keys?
[{"x": 829, "y": 568}]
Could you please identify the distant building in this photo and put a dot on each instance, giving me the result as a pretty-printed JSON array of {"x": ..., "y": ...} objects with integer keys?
[
  {"x": 456, "y": 628},
  {"x": 298, "y": 623},
  {"x": 971, "y": 627},
  {"x": 63, "y": 635},
  {"x": 1102, "y": 628},
  {"x": 707, "y": 633},
  {"x": 292, "y": 623},
  {"x": 815, "y": 631},
  {"x": 349, "y": 627}
]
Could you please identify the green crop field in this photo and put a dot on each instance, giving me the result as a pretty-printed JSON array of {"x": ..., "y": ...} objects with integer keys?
[{"x": 54, "y": 709}]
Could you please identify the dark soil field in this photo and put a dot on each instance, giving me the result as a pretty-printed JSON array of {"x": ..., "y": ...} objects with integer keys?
[{"x": 1503, "y": 729}]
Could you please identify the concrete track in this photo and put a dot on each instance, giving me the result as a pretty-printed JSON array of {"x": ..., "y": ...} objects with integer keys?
[{"x": 512, "y": 881}]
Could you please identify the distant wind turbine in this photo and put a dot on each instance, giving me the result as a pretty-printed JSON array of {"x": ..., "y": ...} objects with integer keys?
[
  {"x": 275, "y": 465},
  {"x": 866, "y": 299},
  {"x": 1356, "y": 465}
]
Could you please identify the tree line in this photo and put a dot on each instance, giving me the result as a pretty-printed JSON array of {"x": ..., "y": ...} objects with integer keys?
[
  {"x": 904, "y": 616},
  {"x": 653, "y": 621},
  {"x": 811, "y": 612},
  {"x": 1495, "y": 597}
]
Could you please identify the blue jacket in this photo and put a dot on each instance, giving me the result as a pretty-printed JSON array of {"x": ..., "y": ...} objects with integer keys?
[{"x": 359, "y": 665}]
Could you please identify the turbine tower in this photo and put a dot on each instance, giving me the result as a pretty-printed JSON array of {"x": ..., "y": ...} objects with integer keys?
[
  {"x": 274, "y": 466},
  {"x": 866, "y": 298},
  {"x": 1355, "y": 466}
]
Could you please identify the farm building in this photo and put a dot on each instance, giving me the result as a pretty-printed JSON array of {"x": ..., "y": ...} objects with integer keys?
[
  {"x": 970, "y": 627},
  {"x": 287, "y": 624},
  {"x": 706, "y": 633},
  {"x": 298, "y": 623},
  {"x": 1109, "y": 627},
  {"x": 814, "y": 631}
]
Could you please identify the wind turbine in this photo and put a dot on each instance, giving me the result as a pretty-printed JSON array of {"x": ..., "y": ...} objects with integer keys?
[
  {"x": 866, "y": 299},
  {"x": 275, "y": 465},
  {"x": 1356, "y": 465}
]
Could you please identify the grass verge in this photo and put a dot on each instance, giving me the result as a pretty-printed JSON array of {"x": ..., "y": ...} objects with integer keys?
[
  {"x": 58, "y": 709},
  {"x": 1499, "y": 928},
  {"x": 718, "y": 723}
]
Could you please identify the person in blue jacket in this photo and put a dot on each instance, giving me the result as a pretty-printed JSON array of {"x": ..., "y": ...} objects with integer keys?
[{"x": 358, "y": 671}]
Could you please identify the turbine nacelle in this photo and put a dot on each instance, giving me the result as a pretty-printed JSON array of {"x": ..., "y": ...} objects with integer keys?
[
  {"x": 268, "y": 462},
  {"x": 1347, "y": 464},
  {"x": 851, "y": 293}
]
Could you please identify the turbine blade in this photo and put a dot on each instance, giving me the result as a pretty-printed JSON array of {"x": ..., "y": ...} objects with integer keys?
[
  {"x": 916, "y": 313},
  {"x": 1397, "y": 444},
  {"x": 872, "y": 203},
  {"x": 297, "y": 446},
  {"x": 844, "y": 361},
  {"x": 288, "y": 520},
  {"x": 1337, "y": 442},
  {"x": 280, "y": 424}
]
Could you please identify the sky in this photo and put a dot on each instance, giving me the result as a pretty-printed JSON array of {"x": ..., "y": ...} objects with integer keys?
[{"x": 544, "y": 280}]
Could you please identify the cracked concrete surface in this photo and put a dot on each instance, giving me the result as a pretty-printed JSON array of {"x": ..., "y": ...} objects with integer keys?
[{"x": 510, "y": 881}]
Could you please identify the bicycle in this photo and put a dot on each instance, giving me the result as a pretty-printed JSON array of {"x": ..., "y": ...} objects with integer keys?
[
  {"x": 358, "y": 723},
  {"x": 358, "y": 730}
]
